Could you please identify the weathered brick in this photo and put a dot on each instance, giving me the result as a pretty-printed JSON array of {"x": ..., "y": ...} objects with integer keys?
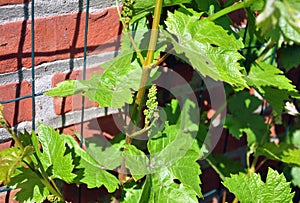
[
  {"x": 9, "y": 2},
  {"x": 16, "y": 112},
  {"x": 71, "y": 103},
  {"x": 57, "y": 37}
]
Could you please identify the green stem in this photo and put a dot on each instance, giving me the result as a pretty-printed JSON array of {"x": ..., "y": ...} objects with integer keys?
[
  {"x": 162, "y": 59},
  {"x": 134, "y": 45},
  {"x": 51, "y": 187},
  {"x": 227, "y": 10},
  {"x": 145, "y": 129},
  {"x": 270, "y": 45},
  {"x": 254, "y": 162},
  {"x": 14, "y": 136},
  {"x": 56, "y": 189},
  {"x": 145, "y": 75},
  {"x": 146, "y": 66},
  {"x": 235, "y": 200},
  {"x": 136, "y": 48},
  {"x": 260, "y": 164},
  {"x": 119, "y": 13},
  {"x": 154, "y": 33}
]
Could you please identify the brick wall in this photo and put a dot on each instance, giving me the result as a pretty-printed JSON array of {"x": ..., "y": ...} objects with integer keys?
[{"x": 59, "y": 44}]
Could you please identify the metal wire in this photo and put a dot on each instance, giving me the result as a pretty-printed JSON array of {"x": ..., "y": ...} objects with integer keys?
[
  {"x": 84, "y": 78},
  {"x": 21, "y": 98},
  {"x": 84, "y": 66},
  {"x": 32, "y": 66}
]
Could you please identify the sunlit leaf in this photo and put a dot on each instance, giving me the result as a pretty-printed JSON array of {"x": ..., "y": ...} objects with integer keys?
[
  {"x": 113, "y": 88},
  {"x": 136, "y": 161},
  {"x": 284, "y": 152},
  {"x": 252, "y": 189},
  {"x": 207, "y": 46},
  {"x": 53, "y": 155},
  {"x": 90, "y": 171},
  {"x": 279, "y": 21}
]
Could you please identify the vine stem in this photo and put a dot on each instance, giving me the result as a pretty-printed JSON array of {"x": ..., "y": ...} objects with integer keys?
[
  {"x": 227, "y": 10},
  {"x": 134, "y": 45},
  {"x": 145, "y": 75},
  {"x": 235, "y": 200},
  {"x": 148, "y": 61},
  {"x": 231, "y": 8},
  {"x": 269, "y": 46}
]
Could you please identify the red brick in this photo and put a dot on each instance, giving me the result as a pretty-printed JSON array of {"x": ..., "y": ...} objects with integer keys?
[
  {"x": 57, "y": 37},
  {"x": 18, "y": 111},
  {"x": 11, "y": 195},
  {"x": 71, "y": 103},
  {"x": 5, "y": 145},
  {"x": 105, "y": 127},
  {"x": 9, "y": 2}
]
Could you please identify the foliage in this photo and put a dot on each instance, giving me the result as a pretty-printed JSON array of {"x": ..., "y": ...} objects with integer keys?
[
  {"x": 253, "y": 189},
  {"x": 156, "y": 156}
]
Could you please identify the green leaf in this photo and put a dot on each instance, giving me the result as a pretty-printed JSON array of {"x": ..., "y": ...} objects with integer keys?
[
  {"x": 10, "y": 159},
  {"x": 242, "y": 119},
  {"x": 67, "y": 88},
  {"x": 276, "y": 98},
  {"x": 169, "y": 146},
  {"x": 172, "y": 153},
  {"x": 90, "y": 171},
  {"x": 53, "y": 155},
  {"x": 113, "y": 88},
  {"x": 164, "y": 189},
  {"x": 289, "y": 57},
  {"x": 224, "y": 166},
  {"x": 25, "y": 138},
  {"x": 161, "y": 188},
  {"x": 171, "y": 112},
  {"x": 207, "y": 47},
  {"x": 284, "y": 152},
  {"x": 174, "y": 141},
  {"x": 136, "y": 161},
  {"x": 174, "y": 150},
  {"x": 295, "y": 173},
  {"x": 263, "y": 74},
  {"x": 106, "y": 154},
  {"x": 133, "y": 194},
  {"x": 271, "y": 84},
  {"x": 252, "y": 189},
  {"x": 279, "y": 21},
  {"x": 32, "y": 189},
  {"x": 295, "y": 138},
  {"x": 204, "y": 31}
]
